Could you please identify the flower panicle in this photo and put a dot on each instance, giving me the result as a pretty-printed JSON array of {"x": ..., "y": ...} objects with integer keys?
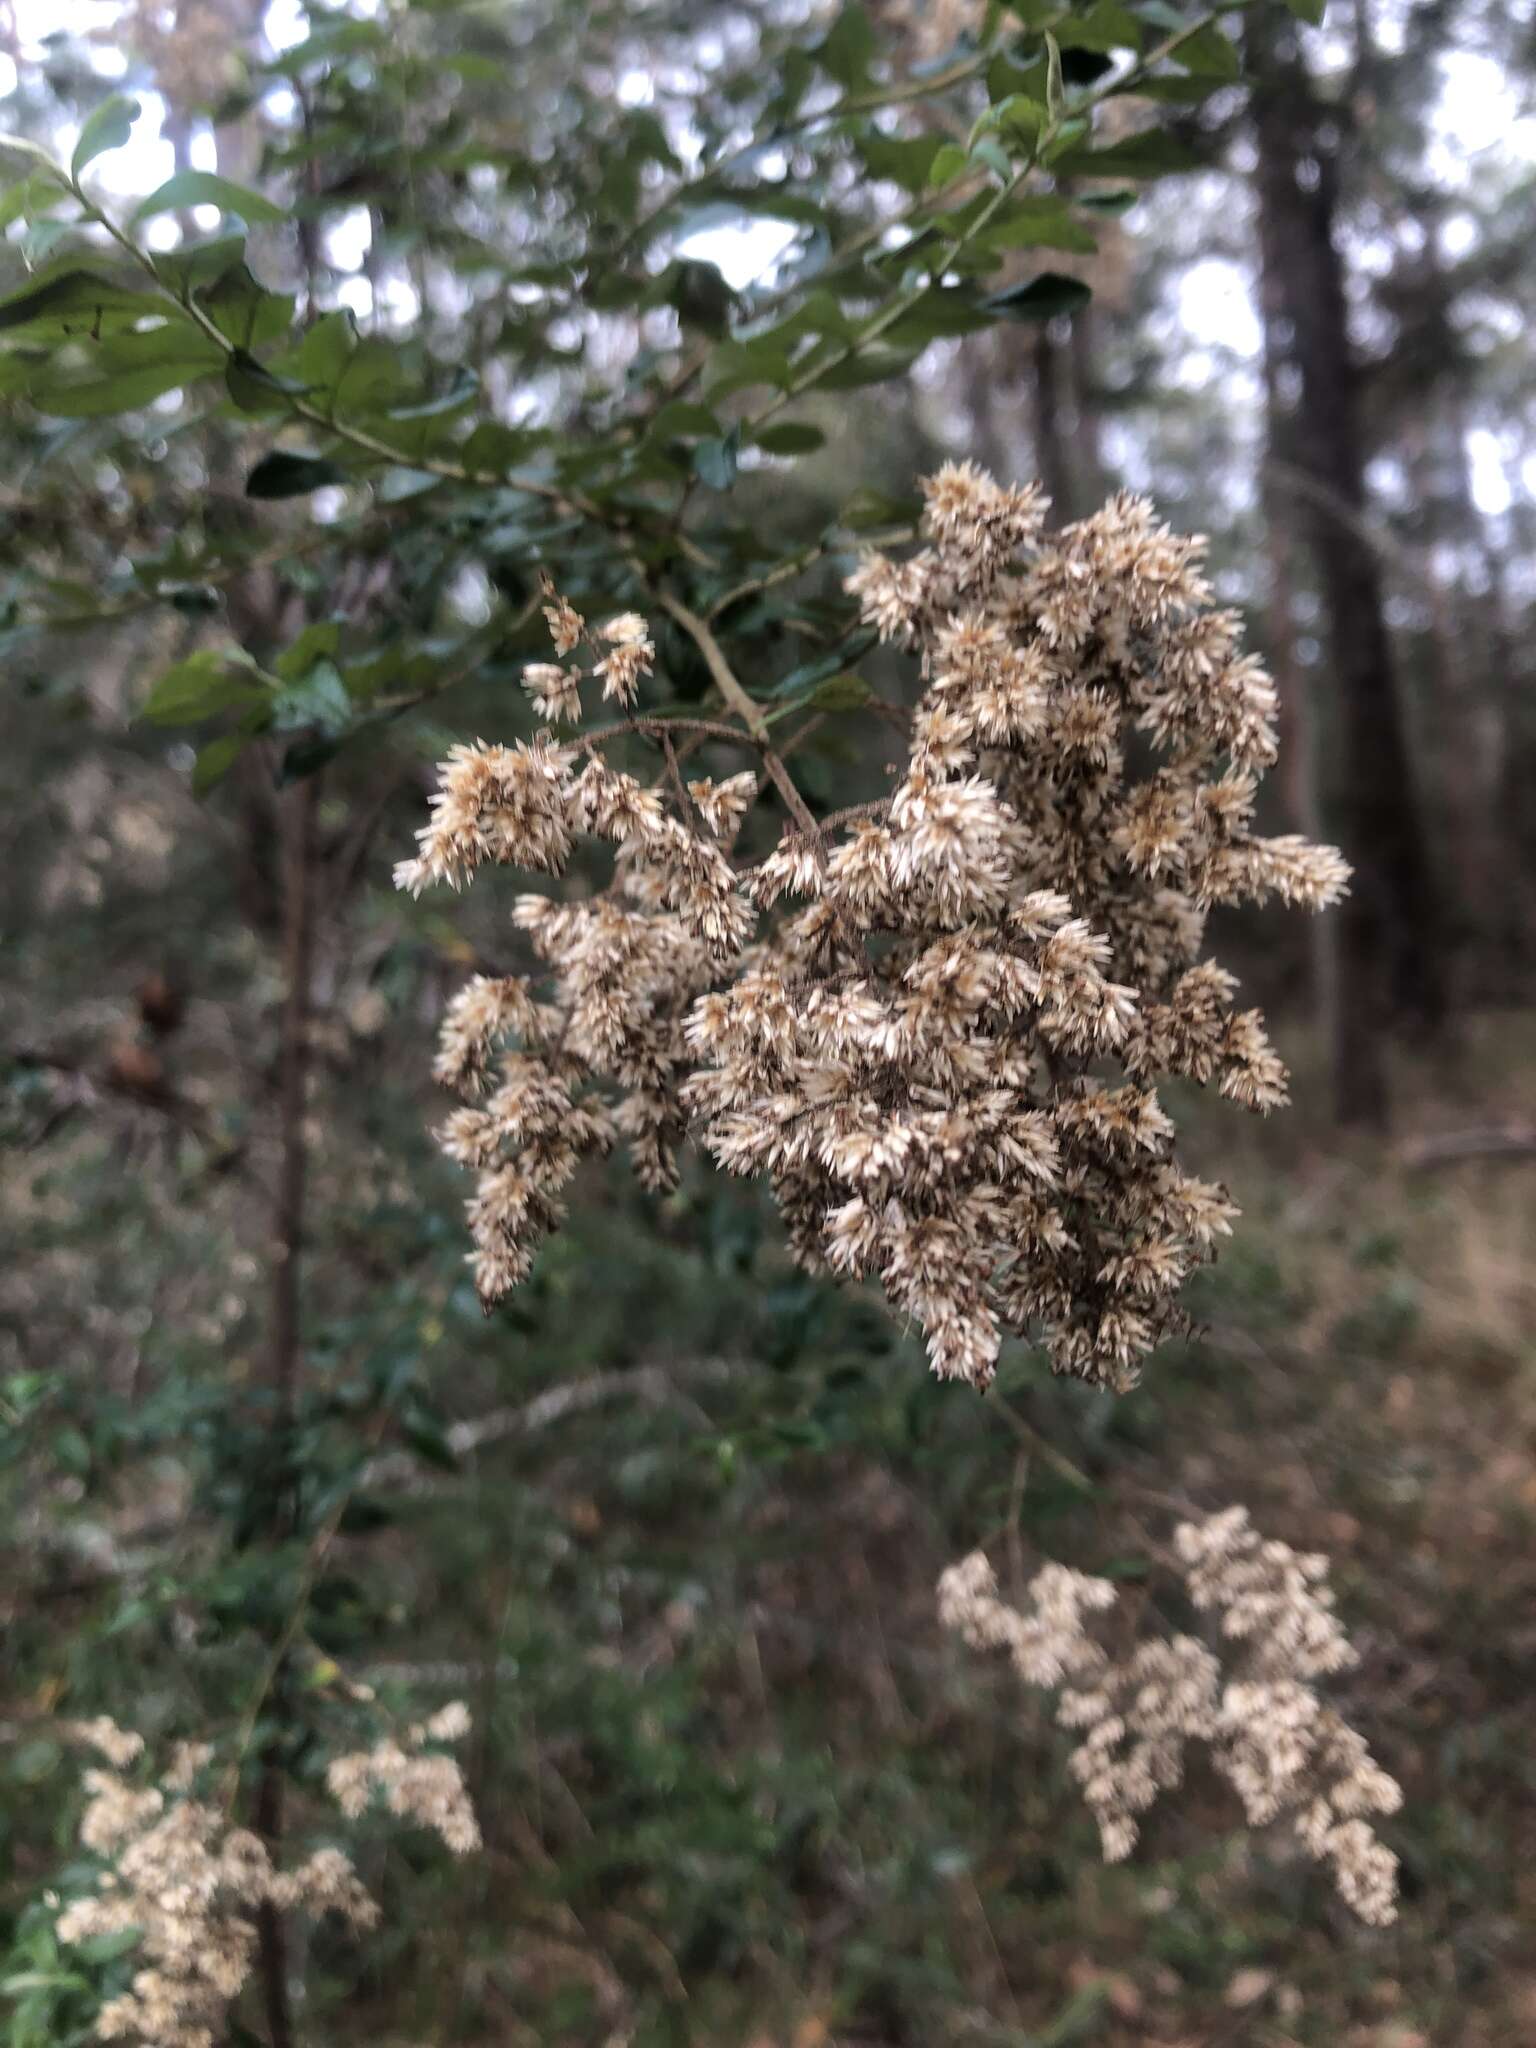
[
  {"x": 936, "y": 1030},
  {"x": 1286, "y": 1753}
]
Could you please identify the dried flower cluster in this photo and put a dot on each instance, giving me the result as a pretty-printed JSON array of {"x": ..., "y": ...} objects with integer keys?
[
  {"x": 417, "y": 1784},
  {"x": 1270, "y": 1735},
  {"x": 937, "y": 1034},
  {"x": 190, "y": 1884}
]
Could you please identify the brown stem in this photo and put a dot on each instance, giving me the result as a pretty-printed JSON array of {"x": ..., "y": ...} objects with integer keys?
[
  {"x": 285, "y": 1353},
  {"x": 271, "y": 1935},
  {"x": 298, "y": 826},
  {"x": 747, "y": 710}
]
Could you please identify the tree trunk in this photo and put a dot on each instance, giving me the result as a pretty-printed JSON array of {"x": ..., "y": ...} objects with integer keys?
[
  {"x": 1082, "y": 354},
  {"x": 1390, "y": 964},
  {"x": 1051, "y": 457},
  {"x": 1298, "y": 712}
]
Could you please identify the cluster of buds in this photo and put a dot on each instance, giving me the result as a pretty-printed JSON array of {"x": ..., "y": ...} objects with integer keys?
[{"x": 936, "y": 1032}]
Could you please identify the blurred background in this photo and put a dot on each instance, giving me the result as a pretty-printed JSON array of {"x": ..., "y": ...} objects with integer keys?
[{"x": 675, "y": 1518}]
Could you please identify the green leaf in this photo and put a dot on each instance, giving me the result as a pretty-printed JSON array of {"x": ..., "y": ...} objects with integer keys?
[
  {"x": 213, "y": 679},
  {"x": 937, "y": 315},
  {"x": 1108, "y": 202},
  {"x": 849, "y": 47},
  {"x": 243, "y": 312},
  {"x": 809, "y": 673},
  {"x": 494, "y": 448},
  {"x": 1042, "y": 298},
  {"x": 1104, "y": 28},
  {"x": 714, "y": 461},
  {"x": 991, "y": 153},
  {"x": 1208, "y": 54},
  {"x": 36, "y": 1760},
  {"x": 1118, "y": 22},
  {"x": 870, "y": 366},
  {"x": 1039, "y": 223},
  {"x": 905, "y": 160},
  {"x": 399, "y": 482},
  {"x": 611, "y": 291},
  {"x": 844, "y": 692},
  {"x": 199, "y": 264},
  {"x": 737, "y": 365},
  {"x": 419, "y": 427},
  {"x": 1152, "y": 155},
  {"x": 31, "y": 195},
  {"x": 868, "y": 508},
  {"x": 285, "y": 475},
  {"x": 76, "y": 302},
  {"x": 1174, "y": 88},
  {"x": 818, "y": 313},
  {"x": 948, "y": 164},
  {"x": 107, "y": 127},
  {"x": 319, "y": 698},
  {"x": 167, "y": 342},
  {"x": 318, "y": 642},
  {"x": 1055, "y": 91},
  {"x": 325, "y": 351},
  {"x": 1309, "y": 11},
  {"x": 371, "y": 378},
  {"x": 682, "y": 418},
  {"x": 215, "y": 760},
  {"x": 106, "y": 1948},
  {"x": 256, "y": 389},
  {"x": 83, "y": 398},
  {"x": 789, "y": 437},
  {"x": 335, "y": 37},
  {"x": 1005, "y": 77},
  {"x": 129, "y": 370},
  {"x": 1067, "y": 137},
  {"x": 41, "y": 239},
  {"x": 306, "y": 757},
  {"x": 699, "y": 294},
  {"x": 206, "y": 188},
  {"x": 1020, "y": 117}
]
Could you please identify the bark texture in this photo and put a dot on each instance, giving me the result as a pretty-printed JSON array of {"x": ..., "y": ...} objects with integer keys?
[{"x": 1391, "y": 970}]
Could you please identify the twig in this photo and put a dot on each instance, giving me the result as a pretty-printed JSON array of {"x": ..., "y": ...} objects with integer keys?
[
  {"x": 1448, "y": 1148},
  {"x": 749, "y": 711},
  {"x": 575, "y": 1397}
]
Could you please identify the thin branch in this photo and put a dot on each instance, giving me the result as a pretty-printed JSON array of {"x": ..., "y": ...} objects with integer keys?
[
  {"x": 863, "y": 103},
  {"x": 1450, "y": 1148},
  {"x": 749, "y": 711},
  {"x": 300, "y": 408}
]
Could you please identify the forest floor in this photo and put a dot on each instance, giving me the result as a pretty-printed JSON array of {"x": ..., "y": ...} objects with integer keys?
[
  {"x": 765, "y": 1801},
  {"x": 737, "y": 1786}
]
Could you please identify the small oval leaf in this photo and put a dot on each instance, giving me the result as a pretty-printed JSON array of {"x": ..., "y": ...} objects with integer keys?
[
  {"x": 107, "y": 127},
  {"x": 206, "y": 188},
  {"x": 283, "y": 475}
]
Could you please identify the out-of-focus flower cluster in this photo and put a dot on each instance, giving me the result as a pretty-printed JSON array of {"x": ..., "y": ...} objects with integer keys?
[
  {"x": 190, "y": 1884},
  {"x": 1269, "y": 1733},
  {"x": 417, "y": 1784},
  {"x": 936, "y": 1032}
]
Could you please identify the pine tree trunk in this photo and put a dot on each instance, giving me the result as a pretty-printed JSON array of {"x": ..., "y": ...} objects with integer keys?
[
  {"x": 1298, "y": 714},
  {"x": 1390, "y": 965}
]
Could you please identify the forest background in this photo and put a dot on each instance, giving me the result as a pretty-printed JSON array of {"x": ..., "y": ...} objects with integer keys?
[{"x": 671, "y": 1522}]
